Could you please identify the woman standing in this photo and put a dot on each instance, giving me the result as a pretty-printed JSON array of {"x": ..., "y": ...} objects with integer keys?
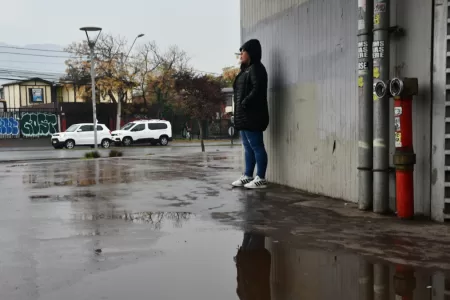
[{"x": 251, "y": 115}]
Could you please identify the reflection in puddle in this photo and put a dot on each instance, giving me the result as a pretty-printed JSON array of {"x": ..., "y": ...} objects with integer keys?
[
  {"x": 267, "y": 269},
  {"x": 155, "y": 219}
]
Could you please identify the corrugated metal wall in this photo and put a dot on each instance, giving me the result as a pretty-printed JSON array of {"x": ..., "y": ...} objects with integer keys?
[{"x": 310, "y": 51}]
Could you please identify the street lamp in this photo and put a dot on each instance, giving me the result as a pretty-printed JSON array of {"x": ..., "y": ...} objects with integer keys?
[
  {"x": 119, "y": 104},
  {"x": 92, "y": 40}
]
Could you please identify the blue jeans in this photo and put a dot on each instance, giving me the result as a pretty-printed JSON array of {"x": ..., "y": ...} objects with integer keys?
[{"x": 255, "y": 153}]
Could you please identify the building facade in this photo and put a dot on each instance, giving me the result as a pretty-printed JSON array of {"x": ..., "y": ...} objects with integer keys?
[
  {"x": 311, "y": 54},
  {"x": 36, "y": 91}
]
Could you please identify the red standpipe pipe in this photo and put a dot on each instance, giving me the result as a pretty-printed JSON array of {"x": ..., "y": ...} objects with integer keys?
[
  {"x": 404, "y": 146},
  {"x": 404, "y": 282},
  {"x": 63, "y": 124}
]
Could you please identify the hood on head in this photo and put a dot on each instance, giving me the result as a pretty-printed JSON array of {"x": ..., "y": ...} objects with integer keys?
[{"x": 254, "y": 49}]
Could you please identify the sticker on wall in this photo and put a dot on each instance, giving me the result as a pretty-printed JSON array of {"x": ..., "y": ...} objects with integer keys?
[
  {"x": 363, "y": 49},
  {"x": 380, "y": 8},
  {"x": 398, "y": 111},
  {"x": 376, "y": 72},
  {"x": 361, "y": 25},
  {"x": 376, "y": 19},
  {"x": 398, "y": 139},
  {"x": 397, "y": 125},
  {"x": 378, "y": 49},
  {"x": 360, "y": 81}
]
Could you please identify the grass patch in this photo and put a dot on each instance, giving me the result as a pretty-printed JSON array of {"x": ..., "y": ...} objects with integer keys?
[
  {"x": 115, "y": 153},
  {"x": 92, "y": 155}
]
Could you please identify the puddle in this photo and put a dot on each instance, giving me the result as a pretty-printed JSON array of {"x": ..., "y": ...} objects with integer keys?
[{"x": 282, "y": 272}]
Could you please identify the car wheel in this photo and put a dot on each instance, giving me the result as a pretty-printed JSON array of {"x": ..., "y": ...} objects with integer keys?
[
  {"x": 127, "y": 141},
  {"x": 106, "y": 143},
  {"x": 70, "y": 144},
  {"x": 164, "y": 141}
]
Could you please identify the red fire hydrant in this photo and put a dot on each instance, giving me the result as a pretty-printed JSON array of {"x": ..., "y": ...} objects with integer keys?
[{"x": 403, "y": 91}]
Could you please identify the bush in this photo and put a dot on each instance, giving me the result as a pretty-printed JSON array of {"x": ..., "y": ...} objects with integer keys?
[
  {"x": 115, "y": 153},
  {"x": 92, "y": 154}
]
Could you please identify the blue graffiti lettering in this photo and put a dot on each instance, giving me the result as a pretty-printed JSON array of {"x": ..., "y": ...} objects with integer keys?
[{"x": 9, "y": 126}]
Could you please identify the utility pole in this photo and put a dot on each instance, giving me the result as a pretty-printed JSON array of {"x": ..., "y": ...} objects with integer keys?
[
  {"x": 91, "y": 43},
  {"x": 119, "y": 102},
  {"x": 94, "y": 104}
]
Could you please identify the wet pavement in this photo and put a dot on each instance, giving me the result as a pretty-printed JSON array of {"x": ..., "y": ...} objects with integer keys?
[
  {"x": 169, "y": 226},
  {"x": 8, "y": 154}
]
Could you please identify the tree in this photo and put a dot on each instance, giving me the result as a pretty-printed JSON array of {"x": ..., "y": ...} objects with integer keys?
[
  {"x": 200, "y": 96},
  {"x": 228, "y": 75},
  {"x": 114, "y": 76},
  {"x": 162, "y": 82},
  {"x": 146, "y": 61},
  {"x": 155, "y": 76}
]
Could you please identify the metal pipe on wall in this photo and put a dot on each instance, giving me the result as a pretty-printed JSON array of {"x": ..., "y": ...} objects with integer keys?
[
  {"x": 365, "y": 104},
  {"x": 380, "y": 282},
  {"x": 380, "y": 53}
]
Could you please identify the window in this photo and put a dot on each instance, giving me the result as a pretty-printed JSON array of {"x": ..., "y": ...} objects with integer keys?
[
  {"x": 229, "y": 101},
  {"x": 128, "y": 126},
  {"x": 139, "y": 127},
  {"x": 72, "y": 128},
  {"x": 157, "y": 126},
  {"x": 99, "y": 128},
  {"x": 86, "y": 128}
]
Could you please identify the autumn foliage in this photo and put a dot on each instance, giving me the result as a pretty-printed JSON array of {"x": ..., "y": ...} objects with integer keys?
[{"x": 200, "y": 96}]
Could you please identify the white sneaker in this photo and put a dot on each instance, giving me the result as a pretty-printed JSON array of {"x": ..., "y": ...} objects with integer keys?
[
  {"x": 242, "y": 181},
  {"x": 257, "y": 183}
]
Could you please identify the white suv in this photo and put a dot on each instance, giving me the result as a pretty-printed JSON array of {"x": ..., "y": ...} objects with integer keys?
[
  {"x": 144, "y": 131},
  {"x": 82, "y": 135}
]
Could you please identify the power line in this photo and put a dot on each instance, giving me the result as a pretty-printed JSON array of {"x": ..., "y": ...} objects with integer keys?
[
  {"x": 30, "y": 62},
  {"x": 29, "y": 54},
  {"x": 5, "y": 68},
  {"x": 34, "y": 49}
]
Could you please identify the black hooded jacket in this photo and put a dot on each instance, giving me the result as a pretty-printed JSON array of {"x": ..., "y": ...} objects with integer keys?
[{"x": 250, "y": 92}]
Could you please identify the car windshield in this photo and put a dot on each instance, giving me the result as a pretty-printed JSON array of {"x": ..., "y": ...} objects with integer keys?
[
  {"x": 72, "y": 128},
  {"x": 127, "y": 126}
]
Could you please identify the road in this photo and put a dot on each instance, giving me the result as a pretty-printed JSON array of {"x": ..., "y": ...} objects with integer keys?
[{"x": 168, "y": 226}]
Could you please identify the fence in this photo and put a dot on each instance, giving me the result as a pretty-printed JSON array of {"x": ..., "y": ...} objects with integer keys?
[
  {"x": 214, "y": 129},
  {"x": 28, "y": 123}
]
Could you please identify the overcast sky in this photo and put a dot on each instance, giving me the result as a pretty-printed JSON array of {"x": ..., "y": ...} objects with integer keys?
[{"x": 207, "y": 29}]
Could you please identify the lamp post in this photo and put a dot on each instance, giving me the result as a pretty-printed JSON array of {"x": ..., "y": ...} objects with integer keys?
[
  {"x": 91, "y": 43},
  {"x": 119, "y": 103}
]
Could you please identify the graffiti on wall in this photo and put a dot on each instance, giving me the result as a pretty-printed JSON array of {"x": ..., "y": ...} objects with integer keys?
[
  {"x": 9, "y": 126},
  {"x": 38, "y": 124}
]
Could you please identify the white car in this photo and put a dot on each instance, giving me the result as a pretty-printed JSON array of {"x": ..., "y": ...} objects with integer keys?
[
  {"x": 144, "y": 131},
  {"x": 82, "y": 135}
]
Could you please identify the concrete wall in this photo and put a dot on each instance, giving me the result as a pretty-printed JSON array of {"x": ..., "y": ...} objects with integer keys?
[{"x": 310, "y": 51}]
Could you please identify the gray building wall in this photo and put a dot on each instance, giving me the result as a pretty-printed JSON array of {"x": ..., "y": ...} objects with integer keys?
[{"x": 310, "y": 51}]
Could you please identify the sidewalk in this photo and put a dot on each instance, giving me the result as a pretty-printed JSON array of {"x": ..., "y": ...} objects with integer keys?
[{"x": 44, "y": 143}]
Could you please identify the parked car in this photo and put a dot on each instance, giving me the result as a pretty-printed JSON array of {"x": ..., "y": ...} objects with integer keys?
[
  {"x": 144, "y": 131},
  {"x": 82, "y": 135}
]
